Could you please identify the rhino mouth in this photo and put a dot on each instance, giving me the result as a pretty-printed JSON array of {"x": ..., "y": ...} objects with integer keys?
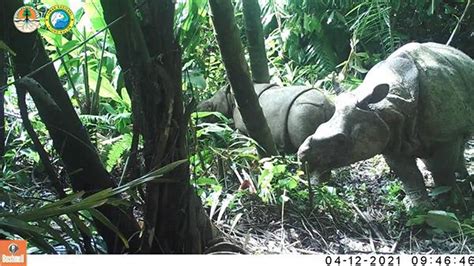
[{"x": 321, "y": 174}]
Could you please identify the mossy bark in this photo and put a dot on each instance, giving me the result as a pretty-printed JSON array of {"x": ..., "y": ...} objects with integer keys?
[
  {"x": 3, "y": 81},
  {"x": 149, "y": 54},
  {"x": 70, "y": 139},
  {"x": 256, "y": 41}
]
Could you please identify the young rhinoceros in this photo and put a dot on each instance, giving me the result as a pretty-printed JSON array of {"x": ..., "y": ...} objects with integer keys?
[
  {"x": 418, "y": 103},
  {"x": 292, "y": 113}
]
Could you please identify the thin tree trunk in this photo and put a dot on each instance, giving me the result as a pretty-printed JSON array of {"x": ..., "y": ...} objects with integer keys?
[
  {"x": 43, "y": 154},
  {"x": 3, "y": 81},
  {"x": 175, "y": 221},
  {"x": 70, "y": 138},
  {"x": 256, "y": 40},
  {"x": 228, "y": 37},
  {"x": 86, "y": 247}
]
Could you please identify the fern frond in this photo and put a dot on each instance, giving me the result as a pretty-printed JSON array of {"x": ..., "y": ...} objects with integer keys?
[
  {"x": 117, "y": 150},
  {"x": 372, "y": 25}
]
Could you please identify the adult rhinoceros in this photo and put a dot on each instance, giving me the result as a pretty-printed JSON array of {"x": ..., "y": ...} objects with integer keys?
[
  {"x": 292, "y": 113},
  {"x": 418, "y": 103}
]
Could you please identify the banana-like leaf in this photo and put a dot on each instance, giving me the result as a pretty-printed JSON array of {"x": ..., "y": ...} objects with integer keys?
[
  {"x": 71, "y": 205},
  {"x": 99, "y": 216},
  {"x": 56, "y": 235},
  {"x": 66, "y": 229},
  {"x": 80, "y": 225},
  {"x": 445, "y": 221}
]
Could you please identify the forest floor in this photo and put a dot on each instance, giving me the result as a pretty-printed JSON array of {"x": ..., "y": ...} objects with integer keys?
[{"x": 371, "y": 218}]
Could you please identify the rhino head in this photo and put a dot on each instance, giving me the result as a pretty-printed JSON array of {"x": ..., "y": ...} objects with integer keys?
[
  {"x": 355, "y": 132},
  {"x": 222, "y": 101}
]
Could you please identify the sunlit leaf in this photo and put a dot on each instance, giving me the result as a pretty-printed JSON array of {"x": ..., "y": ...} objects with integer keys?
[{"x": 445, "y": 221}]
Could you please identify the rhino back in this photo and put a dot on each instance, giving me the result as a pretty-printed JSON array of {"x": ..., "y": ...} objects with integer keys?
[
  {"x": 431, "y": 85},
  {"x": 276, "y": 104},
  {"x": 259, "y": 89},
  {"x": 262, "y": 87},
  {"x": 446, "y": 89},
  {"x": 307, "y": 113},
  {"x": 285, "y": 103}
]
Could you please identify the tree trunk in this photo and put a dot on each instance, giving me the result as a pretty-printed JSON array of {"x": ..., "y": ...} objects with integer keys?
[
  {"x": 70, "y": 139},
  {"x": 175, "y": 221},
  {"x": 43, "y": 154},
  {"x": 3, "y": 82},
  {"x": 256, "y": 40},
  {"x": 237, "y": 70}
]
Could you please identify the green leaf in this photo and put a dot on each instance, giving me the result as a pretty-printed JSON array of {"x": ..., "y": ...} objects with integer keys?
[
  {"x": 197, "y": 80},
  {"x": 310, "y": 23},
  {"x": 56, "y": 235},
  {"x": 80, "y": 225},
  {"x": 100, "y": 217},
  {"x": 417, "y": 220},
  {"x": 97, "y": 197},
  {"x": 201, "y": 115},
  {"x": 442, "y": 220},
  {"x": 64, "y": 207},
  {"x": 38, "y": 240},
  {"x": 79, "y": 14},
  {"x": 68, "y": 45},
  {"x": 93, "y": 10},
  {"x": 67, "y": 230},
  {"x": 292, "y": 184},
  {"x": 106, "y": 88},
  {"x": 117, "y": 150},
  {"x": 19, "y": 225},
  {"x": 56, "y": 2},
  {"x": 202, "y": 181},
  {"x": 5, "y": 47},
  {"x": 279, "y": 169},
  {"x": 67, "y": 199},
  {"x": 126, "y": 97},
  {"x": 440, "y": 190},
  {"x": 151, "y": 176},
  {"x": 51, "y": 38}
]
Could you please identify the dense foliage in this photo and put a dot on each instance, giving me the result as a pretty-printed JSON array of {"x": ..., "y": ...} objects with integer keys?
[{"x": 308, "y": 42}]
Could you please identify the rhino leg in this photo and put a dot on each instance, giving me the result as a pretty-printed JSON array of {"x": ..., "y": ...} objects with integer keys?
[
  {"x": 461, "y": 165},
  {"x": 443, "y": 163},
  {"x": 412, "y": 179}
]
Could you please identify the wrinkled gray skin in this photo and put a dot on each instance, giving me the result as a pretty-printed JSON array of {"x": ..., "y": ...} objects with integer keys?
[
  {"x": 292, "y": 113},
  {"x": 418, "y": 103}
]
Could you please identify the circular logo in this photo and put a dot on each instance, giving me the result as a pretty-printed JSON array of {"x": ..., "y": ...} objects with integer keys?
[
  {"x": 26, "y": 19},
  {"x": 59, "y": 19},
  {"x": 13, "y": 248}
]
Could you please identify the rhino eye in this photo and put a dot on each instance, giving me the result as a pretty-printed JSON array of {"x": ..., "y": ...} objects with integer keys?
[
  {"x": 340, "y": 139},
  {"x": 370, "y": 107}
]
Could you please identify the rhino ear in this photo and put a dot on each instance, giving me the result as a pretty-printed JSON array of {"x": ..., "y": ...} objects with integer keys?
[{"x": 379, "y": 92}]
